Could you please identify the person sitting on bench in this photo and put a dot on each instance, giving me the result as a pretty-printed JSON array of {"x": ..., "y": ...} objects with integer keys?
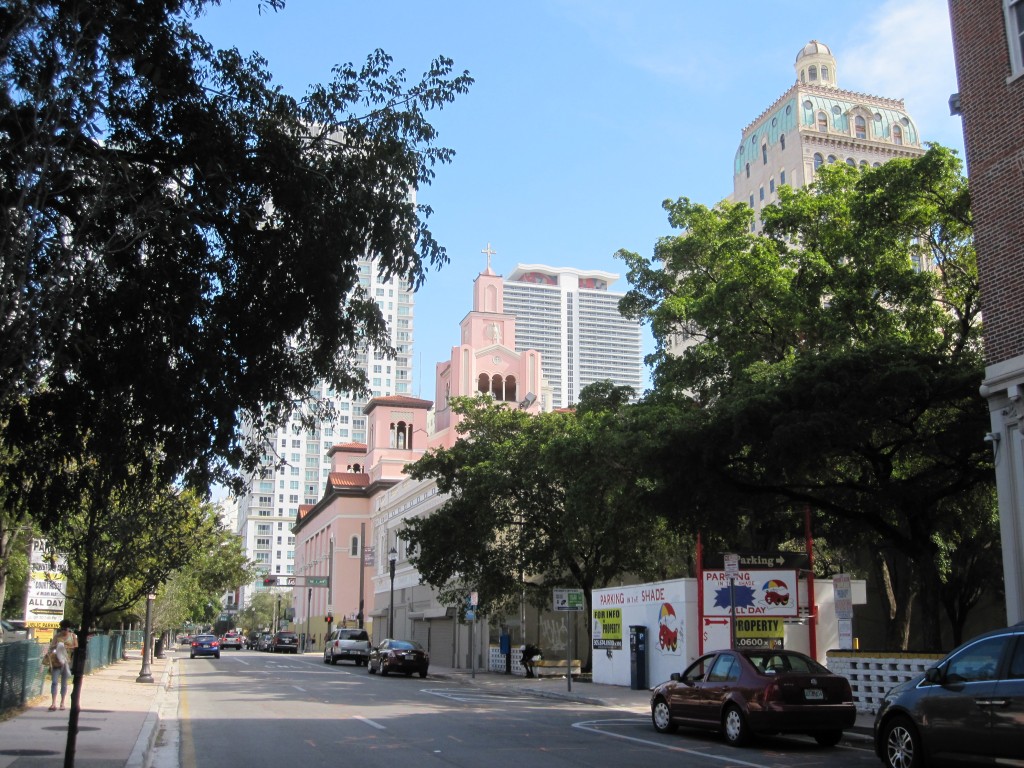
[{"x": 531, "y": 654}]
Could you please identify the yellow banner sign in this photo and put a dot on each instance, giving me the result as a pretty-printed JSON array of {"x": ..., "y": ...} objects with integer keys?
[
  {"x": 608, "y": 628},
  {"x": 768, "y": 627}
]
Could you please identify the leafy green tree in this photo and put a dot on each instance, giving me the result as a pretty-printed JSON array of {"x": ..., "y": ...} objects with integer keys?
[
  {"x": 121, "y": 540},
  {"x": 536, "y": 502},
  {"x": 833, "y": 363},
  {"x": 217, "y": 565},
  {"x": 258, "y": 615},
  {"x": 180, "y": 236}
]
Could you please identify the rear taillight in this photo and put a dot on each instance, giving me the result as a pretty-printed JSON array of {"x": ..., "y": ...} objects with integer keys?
[{"x": 771, "y": 692}]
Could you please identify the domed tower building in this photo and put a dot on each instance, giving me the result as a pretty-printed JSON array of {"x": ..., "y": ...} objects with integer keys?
[{"x": 813, "y": 123}]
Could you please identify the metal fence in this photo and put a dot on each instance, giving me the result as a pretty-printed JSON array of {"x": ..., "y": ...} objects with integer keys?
[{"x": 22, "y": 676}]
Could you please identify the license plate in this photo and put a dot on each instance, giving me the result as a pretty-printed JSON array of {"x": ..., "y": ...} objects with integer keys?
[{"x": 814, "y": 694}]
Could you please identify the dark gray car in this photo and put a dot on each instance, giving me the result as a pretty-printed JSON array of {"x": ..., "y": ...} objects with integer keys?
[{"x": 969, "y": 708}]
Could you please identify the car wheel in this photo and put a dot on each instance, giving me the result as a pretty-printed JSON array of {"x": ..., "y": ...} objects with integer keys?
[
  {"x": 191, "y": 655},
  {"x": 326, "y": 660},
  {"x": 383, "y": 670},
  {"x": 828, "y": 738},
  {"x": 661, "y": 716},
  {"x": 370, "y": 670},
  {"x": 902, "y": 746},
  {"x": 423, "y": 673},
  {"x": 334, "y": 659},
  {"x": 734, "y": 725},
  {"x": 216, "y": 655}
]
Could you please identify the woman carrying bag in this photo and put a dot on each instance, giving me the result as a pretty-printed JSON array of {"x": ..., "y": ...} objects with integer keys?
[{"x": 58, "y": 657}]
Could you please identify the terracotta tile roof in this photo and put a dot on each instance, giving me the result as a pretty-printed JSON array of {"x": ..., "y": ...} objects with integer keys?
[
  {"x": 348, "y": 448},
  {"x": 304, "y": 509},
  {"x": 348, "y": 479},
  {"x": 403, "y": 400}
]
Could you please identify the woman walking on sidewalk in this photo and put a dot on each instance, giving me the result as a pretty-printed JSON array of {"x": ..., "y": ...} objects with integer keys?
[{"x": 58, "y": 654}]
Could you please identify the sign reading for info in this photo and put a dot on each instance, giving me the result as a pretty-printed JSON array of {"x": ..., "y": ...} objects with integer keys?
[{"x": 608, "y": 629}]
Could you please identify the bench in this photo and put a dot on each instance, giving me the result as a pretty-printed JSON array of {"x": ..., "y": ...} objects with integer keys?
[{"x": 549, "y": 667}]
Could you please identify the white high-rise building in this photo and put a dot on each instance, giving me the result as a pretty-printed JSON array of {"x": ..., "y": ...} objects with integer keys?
[
  {"x": 573, "y": 320},
  {"x": 296, "y": 462}
]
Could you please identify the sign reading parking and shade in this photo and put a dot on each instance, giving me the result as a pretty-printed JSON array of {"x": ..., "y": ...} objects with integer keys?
[{"x": 757, "y": 593}]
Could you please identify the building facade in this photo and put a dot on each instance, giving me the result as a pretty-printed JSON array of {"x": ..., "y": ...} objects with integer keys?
[
  {"x": 296, "y": 463},
  {"x": 572, "y": 319},
  {"x": 368, "y": 497},
  {"x": 813, "y": 123},
  {"x": 988, "y": 44}
]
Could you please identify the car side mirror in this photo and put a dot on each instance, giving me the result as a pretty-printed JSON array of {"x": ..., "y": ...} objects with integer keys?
[
  {"x": 934, "y": 676},
  {"x": 675, "y": 676}
]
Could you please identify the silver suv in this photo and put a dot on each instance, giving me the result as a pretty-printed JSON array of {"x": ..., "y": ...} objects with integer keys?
[{"x": 347, "y": 643}]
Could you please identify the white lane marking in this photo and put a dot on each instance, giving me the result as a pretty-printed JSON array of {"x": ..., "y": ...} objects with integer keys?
[
  {"x": 590, "y": 726},
  {"x": 471, "y": 696},
  {"x": 371, "y": 723},
  {"x": 298, "y": 688}
]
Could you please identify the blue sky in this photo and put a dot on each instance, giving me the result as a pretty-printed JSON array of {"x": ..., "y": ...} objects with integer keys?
[{"x": 587, "y": 114}]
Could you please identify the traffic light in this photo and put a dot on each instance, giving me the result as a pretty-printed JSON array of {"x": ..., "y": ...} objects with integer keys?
[
  {"x": 269, "y": 581},
  {"x": 329, "y": 619}
]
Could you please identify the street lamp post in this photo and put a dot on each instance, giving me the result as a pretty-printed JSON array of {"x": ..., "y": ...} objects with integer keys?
[
  {"x": 392, "y": 557},
  {"x": 146, "y": 673}
]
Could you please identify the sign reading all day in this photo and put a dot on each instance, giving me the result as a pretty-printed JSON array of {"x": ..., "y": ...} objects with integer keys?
[
  {"x": 607, "y": 631},
  {"x": 45, "y": 598},
  {"x": 756, "y": 593}
]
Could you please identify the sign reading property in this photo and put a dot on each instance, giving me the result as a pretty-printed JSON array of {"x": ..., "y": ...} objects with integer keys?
[
  {"x": 608, "y": 629},
  {"x": 761, "y": 632}
]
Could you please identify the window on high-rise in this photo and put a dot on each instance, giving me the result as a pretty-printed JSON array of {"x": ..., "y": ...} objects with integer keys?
[
  {"x": 764, "y": 154},
  {"x": 897, "y": 135},
  {"x": 782, "y": 141},
  {"x": 822, "y": 122},
  {"x": 782, "y": 177},
  {"x": 860, "y": 127},
  {"x": 812, "y": 73},
  {"x": 818, "y": 160},
  {"x": 824, "y": 73}
]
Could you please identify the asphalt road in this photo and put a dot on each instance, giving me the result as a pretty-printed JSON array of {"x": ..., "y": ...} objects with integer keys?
[{"x": 260, "y": 709}]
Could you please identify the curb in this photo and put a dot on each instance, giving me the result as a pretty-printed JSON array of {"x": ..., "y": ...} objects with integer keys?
[{"x": 140, "y": 755}]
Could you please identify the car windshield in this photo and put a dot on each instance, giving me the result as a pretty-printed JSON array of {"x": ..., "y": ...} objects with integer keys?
[
  {"x": 204, "y": 638},
  {"x": 353, "y": 635}
]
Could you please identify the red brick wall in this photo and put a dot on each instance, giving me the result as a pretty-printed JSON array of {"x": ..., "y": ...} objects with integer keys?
[{"x": 993, "y": 114}]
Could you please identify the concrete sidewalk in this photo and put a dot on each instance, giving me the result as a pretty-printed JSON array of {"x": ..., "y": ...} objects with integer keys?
[{"x": 116, "y": 726}]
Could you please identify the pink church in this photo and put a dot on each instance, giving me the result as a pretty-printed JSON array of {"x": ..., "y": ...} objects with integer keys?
[{"x": 350, "y": 533}]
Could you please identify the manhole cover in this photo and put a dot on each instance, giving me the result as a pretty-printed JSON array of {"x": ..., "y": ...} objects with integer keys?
[{"x": 28, "y": 752}]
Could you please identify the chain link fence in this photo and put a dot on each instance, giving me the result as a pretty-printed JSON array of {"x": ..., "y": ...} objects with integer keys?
[{"x": 22, "y": 676}]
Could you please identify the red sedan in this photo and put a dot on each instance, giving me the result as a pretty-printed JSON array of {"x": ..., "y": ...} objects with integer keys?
[{"x": 745, "y": 692}]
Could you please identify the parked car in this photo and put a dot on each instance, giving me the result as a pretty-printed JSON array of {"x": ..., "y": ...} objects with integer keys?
[
  {"x": 747, "y": 692},
  {"x": 204, "y": 645},
  {"x": 968, "y": 708},
  {"x": 264, "y": 642},
  {"x": 11, "y": 630},
  {"x": 231, "y": 639},
  {"x": 252, "y": 641},
  {"x": 347, "y": 643},
  {"x": 185, "y": 640},
  {"x": 405, "y": 656},
  {"x": 285, "y": 642}
]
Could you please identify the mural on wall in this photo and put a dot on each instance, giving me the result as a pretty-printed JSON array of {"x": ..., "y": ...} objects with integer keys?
[{"x": 669, "y": 628}]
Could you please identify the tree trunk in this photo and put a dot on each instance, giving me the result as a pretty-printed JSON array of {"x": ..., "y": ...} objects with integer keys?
[{"x": 898, "y": 593}]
